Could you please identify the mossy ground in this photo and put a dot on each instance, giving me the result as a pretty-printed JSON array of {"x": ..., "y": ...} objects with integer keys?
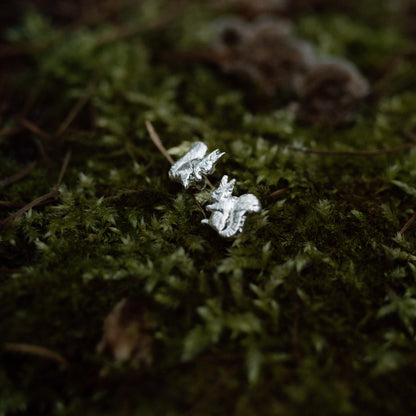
[{"x": 311, "y": 310}]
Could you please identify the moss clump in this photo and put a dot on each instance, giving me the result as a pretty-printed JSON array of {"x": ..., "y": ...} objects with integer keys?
[{"x": 311, "y": 310}]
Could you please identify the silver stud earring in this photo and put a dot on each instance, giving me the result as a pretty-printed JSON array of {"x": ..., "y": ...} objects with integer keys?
[
  {"x": 228, "y": 212},
  {"x": 191, "y": 168}
]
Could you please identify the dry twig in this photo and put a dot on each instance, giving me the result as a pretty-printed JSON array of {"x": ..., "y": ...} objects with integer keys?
[
  {"x": 17, "y": 176},
  {"x": 63, "y": 169},
  {"x": 41, "y": 149},
  {"x": 352, "y": 153},
  {"x": 8, "y": 204},
  {"x": 158, "y": 143},
  {"x": 75, "y": 110},
  {"x": 50, "y": 195},
  {"x": 278, "y": 192},
  {"x": 33, "y": 128},
  {"x": 36, "y": 350},
  {"x": 408, "y": 224},
  {"x": 10, "y": 132}
]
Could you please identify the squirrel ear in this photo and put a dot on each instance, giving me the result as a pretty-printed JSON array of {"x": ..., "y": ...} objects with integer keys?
[{"x": 224, "y": 180}]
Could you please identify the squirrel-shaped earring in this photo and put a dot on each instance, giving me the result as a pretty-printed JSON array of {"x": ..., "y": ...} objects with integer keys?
[{"x": 228, "y": 211}]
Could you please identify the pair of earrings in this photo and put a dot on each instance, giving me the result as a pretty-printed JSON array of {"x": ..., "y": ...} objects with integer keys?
[{"x": 228, "y": 212}]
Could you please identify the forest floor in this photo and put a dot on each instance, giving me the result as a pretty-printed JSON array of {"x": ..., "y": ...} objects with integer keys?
[{"x": 116, "y": 299}]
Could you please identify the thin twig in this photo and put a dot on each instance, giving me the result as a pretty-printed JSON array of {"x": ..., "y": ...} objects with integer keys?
[
  {"x": 41, "y": 149},
  {"x": 278, "y": 192},
  {"x": 352, "y": 153},
  {"x": 158, "y": 143},
  {"x": 10, "y": 132},
  {"x": 199, "y": 206},
  {"x": 63, "y": 169},
  {"x": 408, "y": 224},
  {"x": 50, "y": 195},
  {"x": 36, "y": 350},
  {"x": 33, "y": 128},
  {"x": 75, "y": 110},
  {"x": 211, "y": 186},
  {"x": 8, "y": 204},
  {"x": 17, "y": 176}
]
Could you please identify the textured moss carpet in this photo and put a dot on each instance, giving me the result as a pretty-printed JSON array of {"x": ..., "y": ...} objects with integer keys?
[{"x": 309, "y": 311}]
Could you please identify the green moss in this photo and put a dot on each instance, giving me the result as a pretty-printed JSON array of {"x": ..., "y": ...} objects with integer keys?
[{"x": 311, "y": 310}]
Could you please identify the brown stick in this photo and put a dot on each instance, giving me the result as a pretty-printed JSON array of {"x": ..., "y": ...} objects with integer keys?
[
  {"x": 8, "y": 204},
  {"x": 199, "y": 206},
  {"x": 32, "y": 127},
  {"x": 63, "y": 169},
  {"x": 17, "y": 176},
  {"x": 75, "y": 110},
  {"x": 10, "y": 132},
  {"x": 278, "y": 192},
  {"x": 408, "y": 224},
  {"x": 353, "y": 153},
  {"x": 158, "y": 143},
  {"x": 41, "y": 149},
  {"x": 36, "y": 350},
  {"x": 50, "y": 195}
]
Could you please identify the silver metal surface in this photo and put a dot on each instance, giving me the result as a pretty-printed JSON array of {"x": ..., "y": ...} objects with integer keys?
[
  {"x": 191, "y": 168},
  {"x": 229, "y": 212}
]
